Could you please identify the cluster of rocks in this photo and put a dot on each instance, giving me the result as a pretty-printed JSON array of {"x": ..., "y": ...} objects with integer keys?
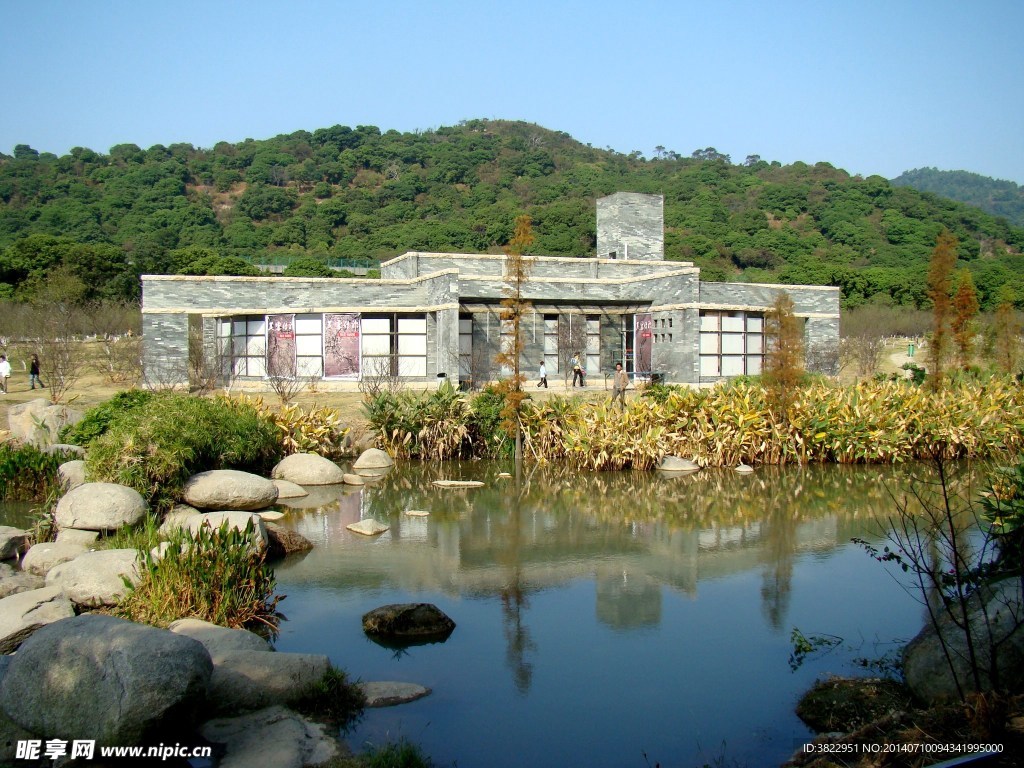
[
  {"x": 103, "y": 678},
  {"x": 70, "y": 674}
]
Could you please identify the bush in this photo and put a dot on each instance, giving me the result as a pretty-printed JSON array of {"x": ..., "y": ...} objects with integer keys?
[
  {"x": 28, "y": 474},
  {"x": 400, "y": 754},
  {"x": 217, "y": 575},
  {"x": 157, "y": 446},
  {"x": 334, "y": 699},
  {"x": 97, "y": 420}
]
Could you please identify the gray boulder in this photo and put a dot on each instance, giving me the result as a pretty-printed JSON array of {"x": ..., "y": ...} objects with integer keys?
[
  {"x": 245, "y": 680},
  {"x": 175, "y": 519},
  {"x": 14, "y": 581},
  {"x": 23, "y": 613},
  {"x": 286, "y": 489},
  {"x": 10, "y": 734},
  {"x": 274, "y": 737},
  {"x": 229, "y": 489},
  {"x": 373, "y": 458},
  {"x": 678, "y": 464},
  {"x": 352, "y": 479},
  {"x": 308, "y": 469},
  {"x": 103, "y": 678},
  {"x": 926, "y": 670},
  {"x": 408, "y": 621},
  {"x": 389, "y": 693},
  {"x": 100, "y": 507},
  {"x": 219, "y": 640},
  {"x": 235, "y": 520},
  {"x": 284, "y": 541},
  {"x": 77, "y": 536},
  {"x": 39, "y": 421},
  {"x": 41, "y": 557},
  {"x": 71, "y": 474},
  {"x": 13, "y": 542},
  {"x": 97, "y": 578}
]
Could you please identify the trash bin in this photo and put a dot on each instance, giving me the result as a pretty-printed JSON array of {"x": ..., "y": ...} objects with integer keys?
[{"x": 910, "y": 350}]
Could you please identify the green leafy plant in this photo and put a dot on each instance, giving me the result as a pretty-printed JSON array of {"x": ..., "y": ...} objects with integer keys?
[
  {"x": 334, "y": 699},
  {"x": 217, "y": 574},
  {"x": 97, "y": 420},
  {"x": 155, "y": 447},
  {"x": 27, "y": 473}
]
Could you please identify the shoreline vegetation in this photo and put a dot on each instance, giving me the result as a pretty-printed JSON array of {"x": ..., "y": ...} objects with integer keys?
[{"x": 153, "y": 441}]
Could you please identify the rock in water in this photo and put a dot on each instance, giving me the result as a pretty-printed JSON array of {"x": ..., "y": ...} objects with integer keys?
[{"x": 408, "y": 620}]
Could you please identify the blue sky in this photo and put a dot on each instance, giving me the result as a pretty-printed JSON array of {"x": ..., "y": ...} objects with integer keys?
[{"x": 871, "y": 86}]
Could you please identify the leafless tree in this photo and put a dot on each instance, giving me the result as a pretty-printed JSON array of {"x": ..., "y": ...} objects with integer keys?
[{"x": 380, "y": 375}]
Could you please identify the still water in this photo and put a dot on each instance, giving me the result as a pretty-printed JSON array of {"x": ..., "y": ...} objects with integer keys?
[{"x": 612, "y": 619}]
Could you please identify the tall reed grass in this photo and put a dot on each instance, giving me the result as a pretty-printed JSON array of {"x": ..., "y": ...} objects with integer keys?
[{"x": 868, "y": 422}]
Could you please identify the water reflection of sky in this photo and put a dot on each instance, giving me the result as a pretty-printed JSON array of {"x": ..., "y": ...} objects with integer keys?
[{"x": 600, "y": 617}]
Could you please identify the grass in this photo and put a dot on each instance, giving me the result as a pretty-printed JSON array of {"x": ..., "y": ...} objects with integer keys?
[
  {"x": 217, "y": 575},
  {"x": 333, "y": 699}
]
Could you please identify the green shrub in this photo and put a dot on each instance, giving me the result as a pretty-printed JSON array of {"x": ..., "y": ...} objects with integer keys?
[
  {"x": 333, "y": 699},
  {"x": 400, "y": 754},
  {"x": 27, "y": 473},
  {"x": 217, "y": 575},
  {"x": 157, "y": 446},
  {"x": 97, "y": 420}
]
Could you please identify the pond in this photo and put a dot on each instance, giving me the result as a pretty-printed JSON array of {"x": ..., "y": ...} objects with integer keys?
[{"x": 613, "y": 619}]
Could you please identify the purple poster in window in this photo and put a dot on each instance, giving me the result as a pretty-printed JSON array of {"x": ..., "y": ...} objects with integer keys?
[
  {"x": 281, "y": 346},
  {"x": 341, "y": 345},
  {"x": 643, "y": 338}
]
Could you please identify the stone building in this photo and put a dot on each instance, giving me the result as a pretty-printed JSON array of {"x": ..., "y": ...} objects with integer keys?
[{"x": 436, "y": 316}]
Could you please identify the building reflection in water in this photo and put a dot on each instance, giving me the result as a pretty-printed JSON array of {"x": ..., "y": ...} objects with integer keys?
[{"x": 635, "y": 534}]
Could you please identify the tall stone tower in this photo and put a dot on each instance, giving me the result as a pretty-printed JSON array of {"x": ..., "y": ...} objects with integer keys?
[{"x": 631, "y": 225}]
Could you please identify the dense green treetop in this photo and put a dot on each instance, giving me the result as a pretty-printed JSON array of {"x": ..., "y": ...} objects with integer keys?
[
  {"x": 1000, "y": 198},
  {"x": 344, "y": 192}
]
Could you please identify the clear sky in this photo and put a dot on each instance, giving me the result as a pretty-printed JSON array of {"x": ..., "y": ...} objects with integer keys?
[{"x": 871, "y": 86}]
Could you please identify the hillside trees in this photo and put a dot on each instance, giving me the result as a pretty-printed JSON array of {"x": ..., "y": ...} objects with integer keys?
[{"x": 367, "y": 193}]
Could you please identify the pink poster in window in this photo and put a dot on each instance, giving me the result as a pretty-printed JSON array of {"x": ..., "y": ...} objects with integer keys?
[{"x": 341, "y": 345}]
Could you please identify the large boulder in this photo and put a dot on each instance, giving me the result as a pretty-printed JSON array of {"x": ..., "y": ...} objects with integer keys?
[
  {"x": 411, "y": 621},
  {"x": 13, "y": 542},
  {"x": 23, "y": 613},
  {"x": 308, "y": 469},
  {"x": 44, "y": 556},
  {"x": 100, "y": 507},
  {"x": 39, "y": 421},
  {"x": 925, "y": 666},
  {"x": 103, "y": 678},
  {"x": 219, "y": 640},
  {"x": 71, "y": 474},
  {"x": 286, "y": 489},
  {"x": 275, "y": 737},
  {"x": 14, "y": 581},
  {"x": 373, "y": 458},
  {"x": 77, "y": 536},
  {"x": 229, "y": 489},
  {"x": 244, "y": 680},
  {"x": 97, "y": 578},
  {"x": 284, "y": 541},
  {"x": 235, "y": 520},
  {"x": 175, "y": 519}
]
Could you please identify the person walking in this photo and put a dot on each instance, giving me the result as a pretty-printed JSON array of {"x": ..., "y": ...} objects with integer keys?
[
  {"x": 577, "y": 370},
  {"x": 620, "y": 383},
  {"x": 5, "y": 373},
  {"x": 543, "y": 376},
  {"x": 33, "y": 374}
]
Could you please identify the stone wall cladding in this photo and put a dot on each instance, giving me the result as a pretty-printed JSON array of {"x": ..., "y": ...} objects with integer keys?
[
  {"x": 632, "y": 225},
  {"x": 818, "y": 300}
]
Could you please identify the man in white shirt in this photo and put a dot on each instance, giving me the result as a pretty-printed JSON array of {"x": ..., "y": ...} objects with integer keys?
[{"x": 5, "y": 373}]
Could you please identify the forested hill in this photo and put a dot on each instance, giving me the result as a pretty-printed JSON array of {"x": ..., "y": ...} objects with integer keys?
[
  {"x": 100, "y": 220},
  {"x": 1000, "y": 198}
]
